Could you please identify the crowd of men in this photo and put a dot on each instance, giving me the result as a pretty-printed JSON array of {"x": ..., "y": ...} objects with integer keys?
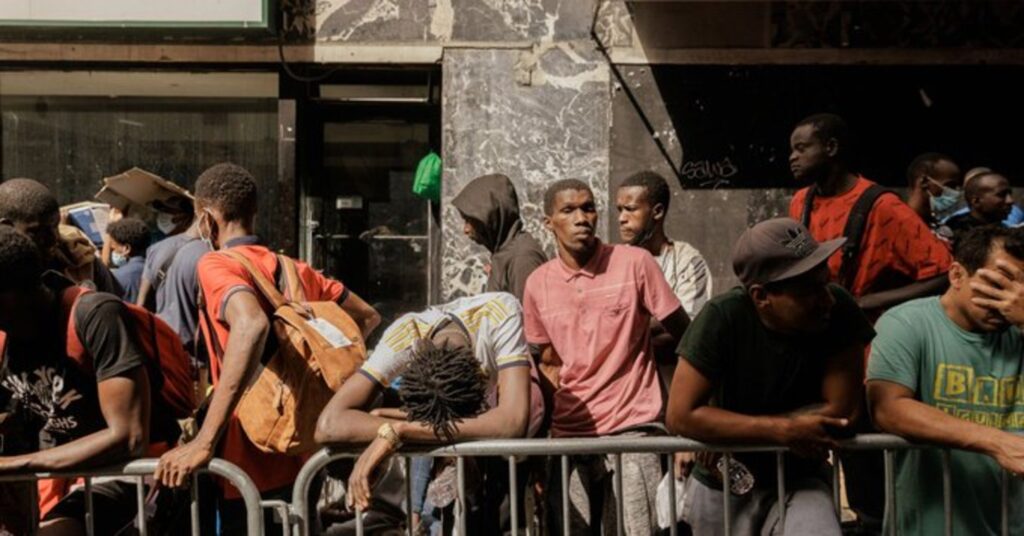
[{"x": 859, "y": 312}]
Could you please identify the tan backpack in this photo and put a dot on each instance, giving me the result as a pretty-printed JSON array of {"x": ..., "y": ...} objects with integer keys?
[{"x": 316, "y": 346}]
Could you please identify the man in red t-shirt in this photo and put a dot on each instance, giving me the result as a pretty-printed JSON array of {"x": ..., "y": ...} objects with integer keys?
[
  {"x": 898, "y": 258},
  {"x": 239, "y": 319}
]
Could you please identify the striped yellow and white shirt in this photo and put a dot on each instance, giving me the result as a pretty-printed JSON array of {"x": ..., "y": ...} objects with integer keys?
[{"x": 494, "y": 321}]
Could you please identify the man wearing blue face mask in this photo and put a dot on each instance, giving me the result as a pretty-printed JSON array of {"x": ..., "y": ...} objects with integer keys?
[
  {"x": 129, "y": 238},
  {"x": 934, "y": 191}
]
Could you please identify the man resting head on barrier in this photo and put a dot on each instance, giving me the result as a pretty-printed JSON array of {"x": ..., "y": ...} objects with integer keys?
[{"x": 464, "y": 372}]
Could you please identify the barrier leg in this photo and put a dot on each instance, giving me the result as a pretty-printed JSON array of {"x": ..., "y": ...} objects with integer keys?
[
  {"x": 780, "y": 476},
  {"x": 460, "y": 472},
  {"x": 1004, "y": 492},
  {"x": 673, "y": 515},
  {"x": 620, "y": 515},
  {"x": 890, "y": 494},
  {"x": 726, "y": 495},
  {"x": 513, "y": 494},
  {"x": 566, "y": 510},
  {"x": 947, "y": 493},
  {"x": 90, "y": 528},
  {"x": 408, "y": 496},
  {"x": 194, "y": 507},
  {"x": 250, "y": 495},
  {"x": 140, "y": 506},
  {"x": 835, "y": 485}
]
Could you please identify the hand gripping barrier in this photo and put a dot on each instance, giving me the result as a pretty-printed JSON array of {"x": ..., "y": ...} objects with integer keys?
[{"x": 146, "y": 467}]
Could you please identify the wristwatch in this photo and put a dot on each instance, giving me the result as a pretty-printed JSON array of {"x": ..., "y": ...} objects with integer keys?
[{"x": 388, "y": 433}]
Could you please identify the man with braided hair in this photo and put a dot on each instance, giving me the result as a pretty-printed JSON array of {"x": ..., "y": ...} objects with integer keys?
[{"x": 442, "y": 395}]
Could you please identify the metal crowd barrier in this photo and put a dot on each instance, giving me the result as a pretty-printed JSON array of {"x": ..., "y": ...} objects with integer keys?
[
  {"x": 566, "y": 447},
  {"x": 145, "y": 467}
]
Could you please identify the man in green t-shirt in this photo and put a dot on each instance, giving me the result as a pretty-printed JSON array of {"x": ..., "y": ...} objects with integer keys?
[
  {"x": 948, "y": 370},
  {"x": 779, "y": 360}
]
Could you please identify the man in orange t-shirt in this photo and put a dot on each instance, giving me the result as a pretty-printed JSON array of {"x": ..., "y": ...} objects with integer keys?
[
  {"x": 239, "y": 319},
  {"x": 898, "y": 259}
]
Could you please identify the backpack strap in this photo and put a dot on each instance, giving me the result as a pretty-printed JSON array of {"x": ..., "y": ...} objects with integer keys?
[
  {"x": 805, "y": 216},
  {"x": 74, "y": 348},
  {"x": 266, "y": 287},
  {"x": 161, "y": 271},
  {"x": 291, "y": 282},
  {"x": 856, "y": 224}
]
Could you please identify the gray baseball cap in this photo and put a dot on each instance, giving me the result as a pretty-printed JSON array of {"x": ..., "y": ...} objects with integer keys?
[{"x": 778, "y": 249}]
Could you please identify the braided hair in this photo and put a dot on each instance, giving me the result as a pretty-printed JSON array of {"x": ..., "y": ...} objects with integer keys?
[{"x": 441, "y": 386}]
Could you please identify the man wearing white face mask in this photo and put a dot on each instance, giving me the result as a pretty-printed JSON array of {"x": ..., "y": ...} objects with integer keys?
[
  {"x": 175, "y": 221},
  {"x": 935, "y": 191}
]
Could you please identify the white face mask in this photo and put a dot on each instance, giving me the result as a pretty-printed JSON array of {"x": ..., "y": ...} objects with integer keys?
[
  {"x": 206, "y": 237},
  {"x": 118, "y": 259},
  {"x": 165, "y": 222}
]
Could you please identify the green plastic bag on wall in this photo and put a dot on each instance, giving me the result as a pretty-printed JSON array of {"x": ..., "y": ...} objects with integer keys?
[{"x": 428, "y": 178}]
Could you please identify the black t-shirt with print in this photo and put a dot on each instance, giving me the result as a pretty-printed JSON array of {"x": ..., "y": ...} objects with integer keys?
[
  {"x": 59, "y": 398},
  {"x": 755, "y": 371}
]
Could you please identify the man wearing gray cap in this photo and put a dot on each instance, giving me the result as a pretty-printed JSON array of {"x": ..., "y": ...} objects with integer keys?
[{"x": 778, "y": 360}]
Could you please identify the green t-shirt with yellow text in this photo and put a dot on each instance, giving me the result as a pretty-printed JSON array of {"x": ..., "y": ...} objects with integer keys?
[{"x": 971, "y": 376}]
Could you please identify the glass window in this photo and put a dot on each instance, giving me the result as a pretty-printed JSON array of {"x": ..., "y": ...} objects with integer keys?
[{"x": 70, "y": 130}]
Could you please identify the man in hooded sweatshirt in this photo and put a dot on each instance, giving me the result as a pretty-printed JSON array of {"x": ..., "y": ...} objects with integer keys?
[{"x": 490, "y": 209}]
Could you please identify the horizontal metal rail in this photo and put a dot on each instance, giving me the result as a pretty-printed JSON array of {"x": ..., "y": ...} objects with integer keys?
[
  {"x": 614, "y": 446},
  {"x": 146, "y": 467}
]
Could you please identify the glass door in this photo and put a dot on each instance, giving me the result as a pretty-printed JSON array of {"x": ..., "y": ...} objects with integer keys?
[{"x": 362, "y": 223}]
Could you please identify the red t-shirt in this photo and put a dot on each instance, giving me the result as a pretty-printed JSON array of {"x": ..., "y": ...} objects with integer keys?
[
  {"x": 897, "y": 247},
  {"x": 220, "y": 277}
]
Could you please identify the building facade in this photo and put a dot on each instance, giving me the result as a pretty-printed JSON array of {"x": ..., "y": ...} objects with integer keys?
[{"x": 332, "y": 103}]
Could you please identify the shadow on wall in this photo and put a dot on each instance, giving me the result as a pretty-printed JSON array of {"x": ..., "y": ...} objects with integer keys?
[{"x": 726, "y": 133}]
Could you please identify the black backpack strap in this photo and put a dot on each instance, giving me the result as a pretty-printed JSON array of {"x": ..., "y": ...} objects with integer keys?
[
  {"x": 161, "y": 271},
  {"x": 856, "y": 224},
  {"x": 805, "y": 216}
]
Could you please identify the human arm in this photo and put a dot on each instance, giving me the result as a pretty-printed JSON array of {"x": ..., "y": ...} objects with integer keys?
[
  {"x": 344, "y": 421},
  {"x": 895, "y": 410},
  {"x": 124, "y": 403},
  {"x": 918, "y": 289},
  {"x": 363, "y": 313},
  {"x": 690, "y": 415},
  {"x": 549, "y": 366},
  {"x": 899, "y": 239},
  {"x": 249, "y": 328},
  {"x": 144, "y": 289}
]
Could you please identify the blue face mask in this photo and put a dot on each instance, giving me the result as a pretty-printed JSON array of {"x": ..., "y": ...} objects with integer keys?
[
  {"x": 946, "y": 203},
  {"x": 118, "y": 259}
]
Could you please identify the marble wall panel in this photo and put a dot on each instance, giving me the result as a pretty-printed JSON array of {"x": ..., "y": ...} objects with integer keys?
[
  {"x": 537, "y": 116},
  {"x": 370, "y": 21}
]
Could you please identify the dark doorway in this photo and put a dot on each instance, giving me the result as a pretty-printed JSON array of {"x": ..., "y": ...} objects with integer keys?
[{"x": 360, "y": 221}]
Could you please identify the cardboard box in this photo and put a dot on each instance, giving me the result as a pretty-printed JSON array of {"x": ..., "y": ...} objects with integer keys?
[{"x": 134, "y": 191}]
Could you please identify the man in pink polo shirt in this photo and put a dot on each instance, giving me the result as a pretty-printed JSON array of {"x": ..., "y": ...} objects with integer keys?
[{"x": 588, "y": 314}]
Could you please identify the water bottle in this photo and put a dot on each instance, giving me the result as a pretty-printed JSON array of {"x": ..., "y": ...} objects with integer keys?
[
  {"x": 741, "y": 481},
  {"x": 444, "y": 488}
]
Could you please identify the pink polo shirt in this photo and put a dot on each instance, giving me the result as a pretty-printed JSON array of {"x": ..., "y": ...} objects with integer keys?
[{"x": 598, "y": 320}]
